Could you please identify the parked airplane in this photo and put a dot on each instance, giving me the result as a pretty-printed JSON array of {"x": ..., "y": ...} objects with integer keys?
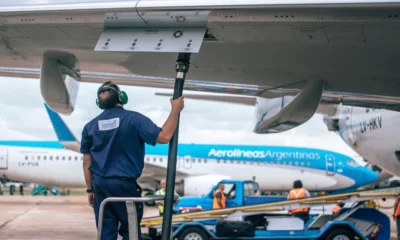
[
  {"x": 372, "y": 133},
  {"x": 291, "y": 55},
  {"x": 57, "y": 163}
]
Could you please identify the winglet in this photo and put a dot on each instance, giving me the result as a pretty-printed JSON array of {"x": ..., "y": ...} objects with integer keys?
[{"x": 64, "y": 134}]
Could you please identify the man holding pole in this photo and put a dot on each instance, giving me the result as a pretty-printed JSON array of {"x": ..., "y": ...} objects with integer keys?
[{"x": 113, "y": 149}]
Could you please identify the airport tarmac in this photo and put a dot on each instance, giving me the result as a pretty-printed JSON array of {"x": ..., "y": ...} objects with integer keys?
[{"x": 64, "y": 217}]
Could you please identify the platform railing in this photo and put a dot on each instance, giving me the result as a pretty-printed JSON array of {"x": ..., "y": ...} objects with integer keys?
[{"x": 131, "y": 209}]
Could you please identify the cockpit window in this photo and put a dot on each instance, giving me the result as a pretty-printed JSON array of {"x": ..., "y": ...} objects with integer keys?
[{"x": 397, "y": 153}]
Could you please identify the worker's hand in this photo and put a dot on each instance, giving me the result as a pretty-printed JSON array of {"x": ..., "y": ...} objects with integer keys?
[
  {"x": 177, "y": 104},
  {"x": 394, "y": 217},
  {"x": 90, "y": 199}
]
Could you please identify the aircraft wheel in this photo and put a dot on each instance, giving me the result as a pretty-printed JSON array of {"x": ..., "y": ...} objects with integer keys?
[
  {"x": 340, "y": 234},
  {"x": 193, "y": 233}
]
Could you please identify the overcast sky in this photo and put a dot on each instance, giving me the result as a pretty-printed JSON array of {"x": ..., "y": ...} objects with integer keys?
[{"x": 24, "y": 117}]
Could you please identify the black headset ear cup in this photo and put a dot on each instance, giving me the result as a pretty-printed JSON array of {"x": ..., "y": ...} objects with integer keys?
[{"x": 98, "y": 103}]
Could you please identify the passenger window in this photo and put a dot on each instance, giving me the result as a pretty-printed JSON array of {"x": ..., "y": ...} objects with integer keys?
[
  {"x": 205, "y": 160},
  {"x": 160, "y": 159},
  {"x": 199, "y": 160},
  {"x": 26, "y": 157},
  {"x": 38, "y": 157},
  {"x": 57, "y": 158},
  {"x": 76, "y": 158},
  {"x": 302, "y": 163},
  {"x": 154, "y": 159},
  {"x": 44, "y": 157},
  {"x": 82, "y": 158},
  {"x": 217, "y": 161},
  {"x": 308, "y": 163},
  {"x": 296, "y": 163},
  {"x": 51, "y": 158},
  {"x": 69, "y": 158},
  {"x": 63, "y": 158}
]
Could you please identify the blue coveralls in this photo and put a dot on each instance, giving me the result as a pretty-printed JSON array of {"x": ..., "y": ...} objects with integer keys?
[{"x": 115, "y": 139}]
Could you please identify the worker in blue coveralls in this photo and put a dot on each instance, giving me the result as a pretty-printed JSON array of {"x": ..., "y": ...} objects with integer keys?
[{"x": 114, "y": 150}]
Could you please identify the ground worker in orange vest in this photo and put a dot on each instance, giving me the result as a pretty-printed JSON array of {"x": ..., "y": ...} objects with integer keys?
[
  {"x": 396, "y": 214},
  {"x": 299, "y": 192},
  {"x": 337, "y": 207},
  {"x": 219, "y": 197}
]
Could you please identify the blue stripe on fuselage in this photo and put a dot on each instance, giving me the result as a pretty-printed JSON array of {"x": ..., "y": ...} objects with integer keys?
[{"x": 290, "y": 156}]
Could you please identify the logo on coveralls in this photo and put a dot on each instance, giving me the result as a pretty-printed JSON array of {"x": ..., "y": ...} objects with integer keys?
[{"x": 108, "y": 124}]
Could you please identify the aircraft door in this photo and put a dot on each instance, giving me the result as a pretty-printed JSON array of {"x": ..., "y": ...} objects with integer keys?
[
  {"x": 3, "y": 158},
  {"x": 330, "y": 164}
]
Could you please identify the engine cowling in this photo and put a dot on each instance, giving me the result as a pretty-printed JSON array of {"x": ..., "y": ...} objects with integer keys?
[
  {"x": 59, "y": 80},
  {"x": 280, "y": 114},
  {"x": 199, "y": 185}
]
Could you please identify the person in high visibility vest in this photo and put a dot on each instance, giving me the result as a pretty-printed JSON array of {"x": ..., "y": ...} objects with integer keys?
[
  {"x": 337, "y": 208},
  {"x": 396, "y": 214},
  {"x": 161, "y": 191},
  {"x": 219, "y": 197},
  {"x": 299, "y": 192}
]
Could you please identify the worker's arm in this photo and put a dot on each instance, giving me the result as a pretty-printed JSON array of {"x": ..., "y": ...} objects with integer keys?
[
  {"x": 86, "y": 144},
  {"x": 87, "y": 160},
  {"x": 169, "y": 126}
]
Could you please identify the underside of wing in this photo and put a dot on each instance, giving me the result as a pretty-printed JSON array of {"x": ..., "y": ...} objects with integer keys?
[
  {"x": 155, "y": 173},
  {"x": 290, "y": 55}
]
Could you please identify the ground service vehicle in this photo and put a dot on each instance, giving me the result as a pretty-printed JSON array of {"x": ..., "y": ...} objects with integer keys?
[
  {"x": 238, "y": 193},
  {"x": 265, "y": 221}
]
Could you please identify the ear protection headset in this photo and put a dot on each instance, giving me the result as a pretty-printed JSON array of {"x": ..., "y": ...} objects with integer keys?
[{"x": 122, "y": 96}]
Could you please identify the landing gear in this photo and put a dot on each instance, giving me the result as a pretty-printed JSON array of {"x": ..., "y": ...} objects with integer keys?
[
  {"x": 182, "y": 67},
  {"x": 12, "y": 189}
]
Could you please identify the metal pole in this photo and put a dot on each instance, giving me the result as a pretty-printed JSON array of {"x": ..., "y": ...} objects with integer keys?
[{"x": 182, "y": 66}]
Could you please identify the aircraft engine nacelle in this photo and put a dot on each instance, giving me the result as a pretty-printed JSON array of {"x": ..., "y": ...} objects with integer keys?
[
  {"x": 200, "y": 185},
  {"x": 280, "y": 114},
  {"x": 59, "y": 80}
]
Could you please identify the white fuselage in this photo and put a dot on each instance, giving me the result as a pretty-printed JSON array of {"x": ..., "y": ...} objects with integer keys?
[
  {"x": 374, "y": 134},
  {"x": 63, "y": 168}
]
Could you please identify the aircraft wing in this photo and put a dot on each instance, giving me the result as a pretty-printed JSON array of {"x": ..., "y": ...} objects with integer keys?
[{"x": 336, "y": 51}]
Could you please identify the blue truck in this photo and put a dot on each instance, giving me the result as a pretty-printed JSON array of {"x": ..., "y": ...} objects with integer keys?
[{"x": 238, "y": 193}]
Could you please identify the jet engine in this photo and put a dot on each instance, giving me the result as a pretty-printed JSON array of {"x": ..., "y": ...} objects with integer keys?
[
  {"x": 59, "y": 80},
  {"x": 283, "y": 113},
  {"x": 198, "y": 185}
]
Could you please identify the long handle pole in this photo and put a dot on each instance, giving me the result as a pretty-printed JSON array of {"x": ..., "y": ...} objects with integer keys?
[{"x": 182, "y": 66}]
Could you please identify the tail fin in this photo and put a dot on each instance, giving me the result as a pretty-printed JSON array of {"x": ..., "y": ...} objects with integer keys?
[{"x": 64, "y": 134}]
